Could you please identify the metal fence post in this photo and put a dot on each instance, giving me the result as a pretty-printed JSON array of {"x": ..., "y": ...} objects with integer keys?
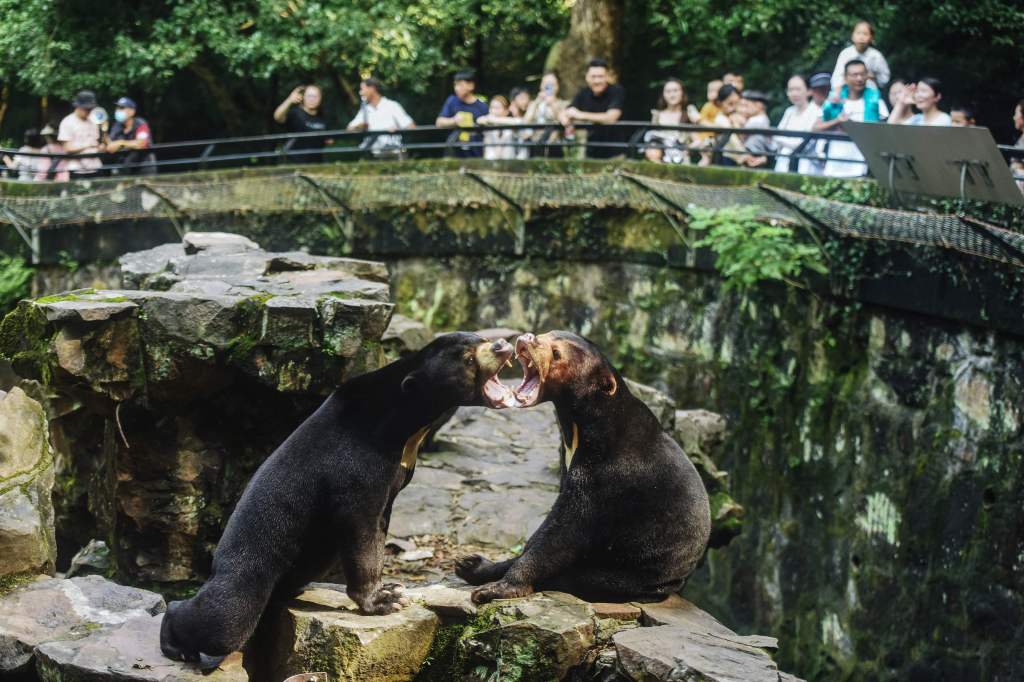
[
  {"x": 346, "y": 226},
  {"x": 519, "y": 226}
]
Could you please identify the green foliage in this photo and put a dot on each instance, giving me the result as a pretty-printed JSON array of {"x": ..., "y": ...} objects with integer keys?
[
  {"x": 751, "y": 251},
  {"x": 247, "y": 55},
  {"x": 968, "y": 45},
  {"x": 15, "y": 281}
]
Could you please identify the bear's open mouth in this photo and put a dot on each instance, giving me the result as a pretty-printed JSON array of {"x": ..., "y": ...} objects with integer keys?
[
  {"x": 529, "y": 391},
  {"x": 497, "y": 394}
]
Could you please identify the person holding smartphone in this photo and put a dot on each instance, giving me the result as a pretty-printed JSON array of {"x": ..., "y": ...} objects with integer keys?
[
  {"x": 546, "y": 108},
  {"x": 301, "y": 112}
]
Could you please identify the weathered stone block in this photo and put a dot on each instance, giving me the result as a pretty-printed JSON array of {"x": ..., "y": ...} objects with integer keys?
[
  {"x": 539, "y": 637},
  {"x": 127, "y": 652},
  {"x": 27, "y": 542},
  {"x": 52, "y": 609},
  {"x": 322, "y": 631}
]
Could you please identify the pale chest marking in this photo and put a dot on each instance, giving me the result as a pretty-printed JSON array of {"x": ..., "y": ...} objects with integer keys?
[
  {"x": 412, "y": 447},
  {"x": 570, "y": 450}
]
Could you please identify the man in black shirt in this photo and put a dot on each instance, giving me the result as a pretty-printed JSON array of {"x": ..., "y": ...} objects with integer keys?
[
  {"x": 599, "y": 102},
  {"x": 300, "y": 112}
]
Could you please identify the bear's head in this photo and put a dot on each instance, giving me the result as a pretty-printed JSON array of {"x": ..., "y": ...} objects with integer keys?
[
  {"x": 462, "y": 368},
  {"x": 562, "y": 364}
]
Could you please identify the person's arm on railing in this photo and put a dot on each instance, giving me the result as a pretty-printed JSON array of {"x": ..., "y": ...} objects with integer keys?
[
  {"x": 281, "y": 113},
  {"x": 573, "y": 114}
]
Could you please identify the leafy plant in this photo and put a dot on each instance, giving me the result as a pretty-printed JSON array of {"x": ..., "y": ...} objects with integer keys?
[
  {"x": 15, "y": 279},
  {"x": 750, "y": 250}
]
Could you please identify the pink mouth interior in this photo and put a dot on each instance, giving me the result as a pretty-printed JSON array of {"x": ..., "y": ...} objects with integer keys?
[
  {"x": 498, "y": 394},
  {"x": 529, "y": 391}
]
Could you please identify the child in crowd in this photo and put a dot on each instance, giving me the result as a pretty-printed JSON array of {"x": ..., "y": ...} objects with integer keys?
[
  {"x": 669, "y": 146},
  {"x": 462, "y": 110},
  {"x": 500, "y": 144},
  {"x": 962, "y": 116},
  {"x": 518, "y": 102},
  {"x": 863, "y": 38},
  {"x": 925, "y": 95},
  {"x": 801, "y": 115},
  {"x": 755, "y": 112},
  {"x": 29, "y": 167}
]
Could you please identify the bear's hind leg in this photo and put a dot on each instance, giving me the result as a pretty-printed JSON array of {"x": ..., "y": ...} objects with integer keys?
[
  {"x": 602, "y": 584},
  {"x": 476, "y": 569}
]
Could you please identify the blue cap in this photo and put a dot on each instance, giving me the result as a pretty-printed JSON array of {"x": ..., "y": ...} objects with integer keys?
[
  {"x": 127, "y": 102},
  {"x": 820, "y": 80}
]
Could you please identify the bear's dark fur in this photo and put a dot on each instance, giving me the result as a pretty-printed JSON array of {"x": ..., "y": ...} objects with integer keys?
[
  {"x": 631, "y": 520},
  {"x": 325, "y": 496}
]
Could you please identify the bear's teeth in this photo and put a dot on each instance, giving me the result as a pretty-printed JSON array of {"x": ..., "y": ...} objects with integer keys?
[{"x": 529, "y": 365}]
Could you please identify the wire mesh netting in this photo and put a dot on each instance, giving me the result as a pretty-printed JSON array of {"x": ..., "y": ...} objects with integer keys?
[{"x": 327, "y": 193}]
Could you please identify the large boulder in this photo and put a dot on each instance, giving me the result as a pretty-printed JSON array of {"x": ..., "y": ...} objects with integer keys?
[
  {"x": 165, "y": 396},
  {"x": 56, "y": 610},
  {"x": 27, "y": 544}
]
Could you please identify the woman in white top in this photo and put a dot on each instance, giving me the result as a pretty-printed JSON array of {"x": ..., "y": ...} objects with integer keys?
[
  {"x": 878, "y": 69},
  {"x": 925, "y": 95},
  {"x": 801, "y": 115},
  {"x": 669, "y": 146}
]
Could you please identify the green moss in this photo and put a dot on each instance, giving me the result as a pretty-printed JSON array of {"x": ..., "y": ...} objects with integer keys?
[{"x": 9, "y": 583}]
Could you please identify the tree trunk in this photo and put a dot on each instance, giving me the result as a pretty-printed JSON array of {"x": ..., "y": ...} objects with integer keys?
[
  {"x": 595, "y": 31},
  {"x": 222, "y": 98}
]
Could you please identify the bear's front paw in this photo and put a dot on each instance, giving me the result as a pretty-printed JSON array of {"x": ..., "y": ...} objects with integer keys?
[
  {"x": 499, "y": 590},
  {"x": 385, "y": 599},
  {"x": 471, "y": 567}
]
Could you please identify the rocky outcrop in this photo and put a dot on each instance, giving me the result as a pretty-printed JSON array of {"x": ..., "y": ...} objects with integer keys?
[
  {"x": 60, "y": 610},
  {"x": 544, "y": 637},
  {"x": 27, "y": 544},
  {"x": 166, "y": 395}
]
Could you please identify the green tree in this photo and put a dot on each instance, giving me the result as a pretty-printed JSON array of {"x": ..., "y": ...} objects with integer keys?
[{"x": 239, "y": 57}]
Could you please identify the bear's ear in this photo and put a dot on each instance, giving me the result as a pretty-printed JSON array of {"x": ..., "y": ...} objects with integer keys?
[
  {"x": 606, "y": 382},
  {"x": 410, "y": 382}
]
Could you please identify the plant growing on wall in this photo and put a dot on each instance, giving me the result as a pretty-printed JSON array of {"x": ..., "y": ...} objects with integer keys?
[
  {"x": 15, "y": 278},
  {"x": 750, "y": 251}
]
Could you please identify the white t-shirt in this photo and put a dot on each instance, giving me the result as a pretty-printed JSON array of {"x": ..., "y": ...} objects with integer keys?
[
  {"x": 844, "y": 155},
  {"x": 81, "y": 134},
  {"x": 386, "y": 115},
  {"x": 943, "y": 119},
  {"x": 802, "y": 121}
]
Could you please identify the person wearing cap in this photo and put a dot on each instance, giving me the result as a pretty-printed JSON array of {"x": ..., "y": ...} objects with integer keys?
[
  {"x": 759, "y": 147},
  {"x": 131, "y": 133},
  {"x": 79, "y": 135}
]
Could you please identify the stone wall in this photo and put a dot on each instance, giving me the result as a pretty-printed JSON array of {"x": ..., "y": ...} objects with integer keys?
[{"x": 879, "y": 456}]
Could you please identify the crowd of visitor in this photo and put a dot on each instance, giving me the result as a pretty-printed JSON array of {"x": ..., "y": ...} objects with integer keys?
[{"x": 740, "y": 131}]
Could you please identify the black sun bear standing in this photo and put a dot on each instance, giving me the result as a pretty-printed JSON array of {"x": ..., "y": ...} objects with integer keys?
[
  {"x": 325, "y": 495},
  {"x": 631, "y": 520}
]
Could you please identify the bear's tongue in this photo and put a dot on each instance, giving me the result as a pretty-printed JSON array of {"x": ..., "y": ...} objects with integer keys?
[{"x": 498, "y": 394}]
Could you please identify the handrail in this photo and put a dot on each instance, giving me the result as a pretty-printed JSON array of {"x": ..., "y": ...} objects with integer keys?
[{"x": 347, "y": 143}]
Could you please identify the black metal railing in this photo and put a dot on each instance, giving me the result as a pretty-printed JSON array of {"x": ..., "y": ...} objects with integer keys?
[{"x": 534, "y": 140}]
